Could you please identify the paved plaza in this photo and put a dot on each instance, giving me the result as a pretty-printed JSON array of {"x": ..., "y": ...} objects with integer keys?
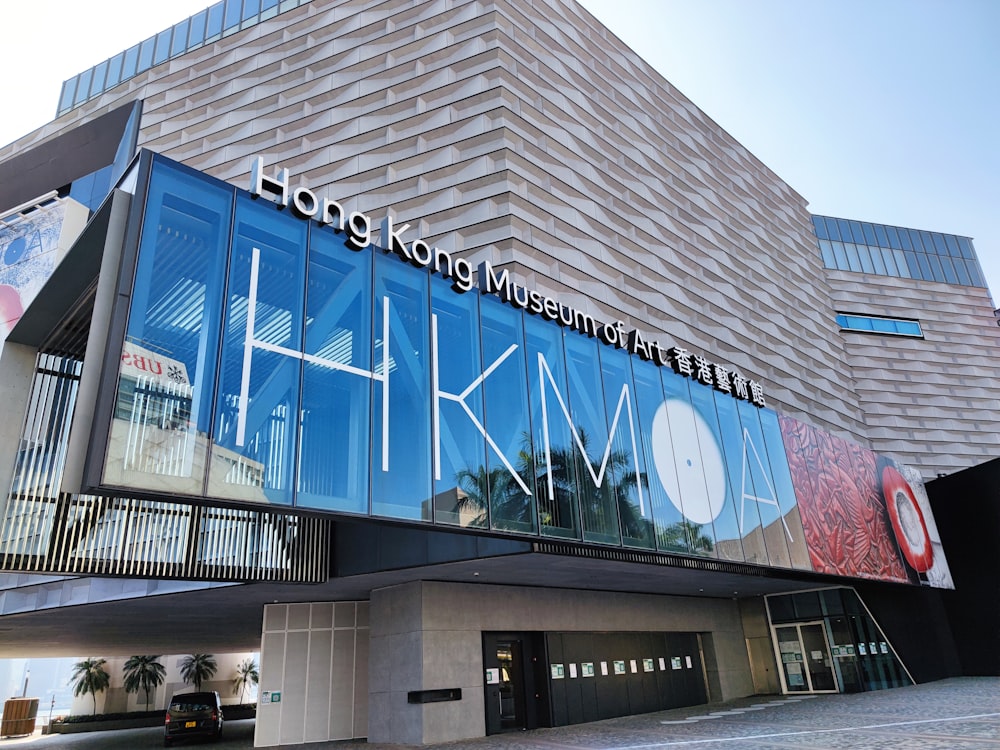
[{"x": 956, "y": 714}]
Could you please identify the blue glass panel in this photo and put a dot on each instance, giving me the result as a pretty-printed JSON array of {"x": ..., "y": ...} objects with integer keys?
[
  {"x": 635, "y": 511},
  {"x": 401, "y": 429},
  {"x": 510, "y": 462},
  {"x": 738, "y": 533},
  {"x": 68, "y": 90},
  {"x": 129, "y": 62},
  {"x": 882, "y": 240},
  {"x": 877, "y": 262},
  {"x": 883, "y": 325},
  {"x": 953, "y": 249},
  {"x": 894, "y": 242},
  {"x": 826, "y": 249},
  {"x": 842, "y": 321},
  {"x": 257, "y": 407},
  {"x": 965, "y": 244},
  {"x": 214, "y": 27},
  {"x": 921, "y": 241},
  {"x": 949, "y": 270},
  {"x": 180, "y": 38},
  {"x": 869, "y": 232},
  {"x": 689, "y": 462},
  {"x": 162, "y": 46},
  {"x": 758, "y": 473},
  {"x": 159, "y": 436},
  {"x": 902, "y": 265},
  {"x": 669, "y": 523},
  {"x": 909, "y": 328},
  {"x": 925, "y": 267},
  {"x": 940, "y": 246},
  {"x": 196, "y": 30},
  {"x": 267, "y": 5},
  {"x": 889, "y": 259},
  {"x": 461, "y": 486},
  {"x": 791, "y": 522},
  {"x": 335, "y": 424},
  {"x": 962, "y": 272},
  {"x": 114, "y": 71},
  {"x": 912, "y": 266},
  {"x": 866, "y": 260},
  {"x": 600, "y": 463},
  {"x": 840, "y": 255},
  {"x": 97, "y": 82},
  {"x": 83, "y": 86},
  {"x": 857, "y": 232},
  {"x": 853, "y": 259},
  {"x": 233, "y": 11},
  {"x": 250, "y": 9},
  {"x": 832, "y": 230},
  {"x": 844, "y": 229},
  {"x": 905, "y": 239},
  {"x": 146, "y": 54},
  {"x": 975, "y": 272},
  {"x": 556, "y": 478},
  {"x": 819, "y": 226}
]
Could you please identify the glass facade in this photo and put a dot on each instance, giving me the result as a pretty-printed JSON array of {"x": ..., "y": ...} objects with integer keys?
[
  {"x": 348, "y": 381},
  {"x": 222, "y": 19},
  {"x": 860, "y": 246},
  {"x": 270, "y": 358}
]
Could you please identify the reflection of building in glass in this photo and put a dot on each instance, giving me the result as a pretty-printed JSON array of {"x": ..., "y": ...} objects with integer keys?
[{"x": 493, "y": 359}]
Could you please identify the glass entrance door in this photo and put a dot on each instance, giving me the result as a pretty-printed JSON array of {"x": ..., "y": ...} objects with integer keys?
[{"x": 806, "y": 664}]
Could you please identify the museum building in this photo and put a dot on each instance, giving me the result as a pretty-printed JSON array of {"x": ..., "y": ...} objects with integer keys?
[{"x": 449, "y": 355}]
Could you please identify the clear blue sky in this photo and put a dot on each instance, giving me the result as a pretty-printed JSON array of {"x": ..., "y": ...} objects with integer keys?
[{"x": 880, "y": 110}]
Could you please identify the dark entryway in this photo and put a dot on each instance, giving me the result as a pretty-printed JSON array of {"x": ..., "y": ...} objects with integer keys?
[{"x": 516, "y": 689}]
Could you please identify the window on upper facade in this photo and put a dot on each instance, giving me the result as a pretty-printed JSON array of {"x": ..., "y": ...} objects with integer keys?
[{"x": 873, "y": 324}]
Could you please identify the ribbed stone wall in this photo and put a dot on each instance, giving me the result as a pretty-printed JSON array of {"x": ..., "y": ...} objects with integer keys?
[
  {"x": 528, "y": 134},
  {"x": 932, "y": 402}
]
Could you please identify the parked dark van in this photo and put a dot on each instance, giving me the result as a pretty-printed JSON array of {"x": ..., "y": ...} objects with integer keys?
[{"x": 193, "y": 715}]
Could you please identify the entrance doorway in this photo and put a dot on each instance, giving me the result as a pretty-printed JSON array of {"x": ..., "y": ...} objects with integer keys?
[
  {"x": 516, "y": 698},
  {"x": 806, "y": 664}
]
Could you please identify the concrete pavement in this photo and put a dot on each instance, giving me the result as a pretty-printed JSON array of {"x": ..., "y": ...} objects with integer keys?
[{"x": 957, "y": 714}]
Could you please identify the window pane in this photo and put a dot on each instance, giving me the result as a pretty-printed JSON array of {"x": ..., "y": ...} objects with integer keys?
[
  {"x": 83, "y": 86},
  {"x": 162, "y": 47},
  {"x": 114, "y": 71},
  {"x": 257, "y": 407},
  {"x": 876, "y": 254},
  {"x": 233, "y": 9},
  {"x": 832, "y": 229},
  {"x": 925, "y": 267},
  {"x": 787, "y": 503},
  {"x": 738, "y": 535},
  {"x": 160, "y": 434},
  {"x": 401, "y": 449},
  {"x": 901, "y": 264},
  {"x": 146, "y": 54},
  {"x": 214, "y": 27},
  {"x": 69, "y": 89},
  {"x": 845, "y": 230},
  {"x": 827, "y": 251},
  {"x": 336, "y": 395},
  {"x": 510, "y": 465},
  {"x": 949, "y": 270},
  {"x": 880, "y": 236},
  {"x": 894, "y": 241},
  {"x": 250, "y": 9},
  {"x": 819, "y": 226},
  {"x": 853, "y": 259},
  {"x": 905, "y": 239},
  {"x": 912, "y": 266},
  {"x": 129, "y": 63},
  {"x": 840, "y": 255},
  {"x": 962, "y": 272},
  {"x": 196, "y": 32},
  {"x": 857, "y": 232},
  {"x": 882, "y": 325},
  {"x": 975, "y": 273},
  {"x": 180, "y": 38},
  {"x": 940, "y": 246},
  {"x": 669, "y": 524},
  {"x": 461, "y": 486},
  {"x": 97, "y": 82},
  {"x": 966, "y": 246},
  {"x": 889, "y": 258},
  {"x": 869, "y": 231},
  {"x": 953, "y": 249},
  {"x": 866, "y": 261},
  {"x": 557, "y": 481}
]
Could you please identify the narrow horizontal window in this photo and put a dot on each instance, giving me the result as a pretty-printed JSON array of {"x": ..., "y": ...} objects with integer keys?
[{"x": 873, "y": 324}]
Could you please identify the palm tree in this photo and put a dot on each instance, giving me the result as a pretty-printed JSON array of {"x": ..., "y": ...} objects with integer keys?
[
  {"x": 197, "y": 668},
  {"x": 143, "y": 673},
  {"x": 246, "y": 673},
  {"x": 89, "y": 676}
]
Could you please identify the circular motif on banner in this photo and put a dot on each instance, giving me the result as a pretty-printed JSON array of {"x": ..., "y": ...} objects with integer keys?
[
  {"x": 689, "y": 461},
  {"x": 907, "y": 520}
]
